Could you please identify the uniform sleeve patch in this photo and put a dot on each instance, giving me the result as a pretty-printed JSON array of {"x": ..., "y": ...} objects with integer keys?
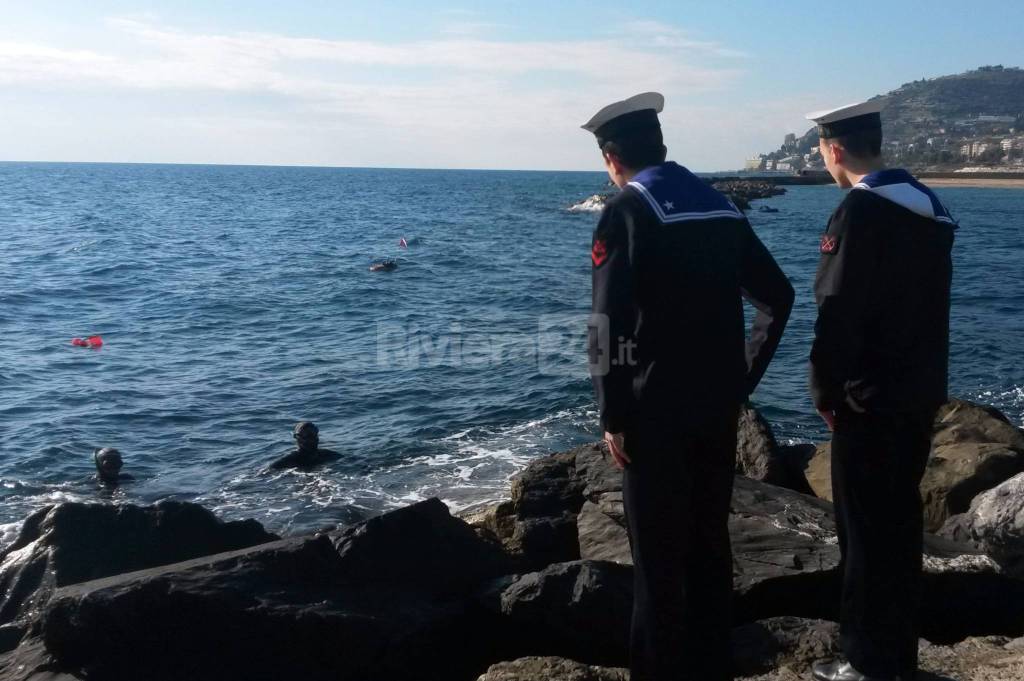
[
  {"x": 829, "y": 244},
  {"x": 599, "y": 253}
]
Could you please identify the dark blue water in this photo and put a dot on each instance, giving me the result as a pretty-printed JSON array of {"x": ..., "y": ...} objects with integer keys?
[{"x": 235, "y": 301}]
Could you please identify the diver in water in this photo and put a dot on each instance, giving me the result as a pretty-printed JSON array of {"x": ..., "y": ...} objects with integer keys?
[
  {"x": 108, "y": 467},
  {"x": 307, "y": 452},
  {"x": 384, "y": 266}
]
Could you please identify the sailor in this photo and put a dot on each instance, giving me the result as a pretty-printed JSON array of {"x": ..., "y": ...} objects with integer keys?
[
  {"x": 878, "y": 373},
  {"x": 673, "y": 260},
  {"x": 308, "y": 452}
]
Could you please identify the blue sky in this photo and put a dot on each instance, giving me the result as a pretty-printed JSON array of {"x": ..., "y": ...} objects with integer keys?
[{"x": 470, "y": 85}]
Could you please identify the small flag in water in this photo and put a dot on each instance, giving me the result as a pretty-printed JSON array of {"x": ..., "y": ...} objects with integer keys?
[{"x": 403, "y": 243}]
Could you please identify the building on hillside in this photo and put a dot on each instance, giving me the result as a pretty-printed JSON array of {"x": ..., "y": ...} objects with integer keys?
[{"x": 756, "y": 163}]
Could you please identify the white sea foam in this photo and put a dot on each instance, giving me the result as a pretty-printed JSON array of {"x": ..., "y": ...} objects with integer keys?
[
  {"x": 1011, "y": 402},
  {"x": 470, "y": 468},
  {"x": 591, "y": 204}
]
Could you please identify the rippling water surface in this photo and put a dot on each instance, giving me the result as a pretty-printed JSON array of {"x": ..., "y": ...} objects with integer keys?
[{"x": 235, "y": 301}]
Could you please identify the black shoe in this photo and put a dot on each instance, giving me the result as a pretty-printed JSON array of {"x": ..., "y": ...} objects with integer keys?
[{"x": 843, "y": 671}]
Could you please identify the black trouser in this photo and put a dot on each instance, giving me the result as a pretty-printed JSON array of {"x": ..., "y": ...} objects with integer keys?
[
  {"x": 677, "y": 493},
  {"x": 877, "y": 464}
]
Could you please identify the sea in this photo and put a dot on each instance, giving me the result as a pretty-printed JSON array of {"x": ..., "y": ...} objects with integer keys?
[{"x": 235, "y": 301}]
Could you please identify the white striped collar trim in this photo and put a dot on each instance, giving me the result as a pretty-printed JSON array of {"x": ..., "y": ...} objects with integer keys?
[
  {"x": 683, "y": 217},
  {"x": 908, "y": 196}
]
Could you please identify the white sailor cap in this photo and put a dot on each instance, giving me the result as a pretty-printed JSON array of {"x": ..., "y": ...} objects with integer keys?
[
  {"x": 636, "y": 113},
  {"x": 847, "y": 119}
]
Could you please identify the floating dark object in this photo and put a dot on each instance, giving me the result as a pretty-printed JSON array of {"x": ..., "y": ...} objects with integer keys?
[
  {"x": 384, "y": 266},
  {"x": 768, "y": 209}
]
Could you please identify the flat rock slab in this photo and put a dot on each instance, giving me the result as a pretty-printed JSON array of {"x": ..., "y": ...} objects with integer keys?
[
  {"x": 76, "y": 542},
  {"x": 364, "y": 604}
]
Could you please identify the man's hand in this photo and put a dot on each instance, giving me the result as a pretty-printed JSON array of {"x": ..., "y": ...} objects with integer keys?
[
  {"x": 829, "y": 417},
  {"x": 615, "y": 446}
]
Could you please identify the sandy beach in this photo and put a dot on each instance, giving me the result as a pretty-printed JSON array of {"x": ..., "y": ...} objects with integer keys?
[{"x": 1007, "y": 183}]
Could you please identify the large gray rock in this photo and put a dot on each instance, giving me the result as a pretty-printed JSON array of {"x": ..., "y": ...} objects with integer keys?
[
  {"x": 539, "y": 523},
  {"x": 786, "y": 558},
  {"x": 31, "y": 662},
  {"x": 76, "y": 542},
  {"x": 958, "y": 472},
  {"x": 387, "y": 599},
  {"x": 974, "y": 449},
  {"x": 579, "y": 610},
  {"x": 602, "y": 531},
  {"x": 784, "y": 544},
  {"x": 960, "y": 421},
  {"x": 995, "y": 523},
  {"x": 757, "y": 453}
]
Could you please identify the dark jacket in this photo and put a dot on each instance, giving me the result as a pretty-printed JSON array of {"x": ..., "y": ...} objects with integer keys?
[
  {"x": 882, "y": 288},
  {"x": 673, "y": 260}
]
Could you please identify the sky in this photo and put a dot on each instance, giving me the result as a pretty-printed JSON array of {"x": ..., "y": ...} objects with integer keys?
[{"x": 501, "y": 84}]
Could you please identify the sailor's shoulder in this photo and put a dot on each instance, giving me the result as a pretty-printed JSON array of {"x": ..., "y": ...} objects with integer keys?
[
  {"x": 621, "y": 210},
  {"x": 625, "y": 200},
  {"x": 858, "y": 210}
]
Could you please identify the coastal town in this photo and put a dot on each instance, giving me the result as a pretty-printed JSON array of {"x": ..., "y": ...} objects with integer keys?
[{"x": 971, "y": 122}]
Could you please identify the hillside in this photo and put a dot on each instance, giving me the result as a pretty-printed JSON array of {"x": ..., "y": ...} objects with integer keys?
[
  {"x": 920, "y": 107},
  {"x": 972, "y": 118}
]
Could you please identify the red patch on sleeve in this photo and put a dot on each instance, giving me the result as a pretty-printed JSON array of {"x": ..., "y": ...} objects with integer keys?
[
  {"x": 599, "y": 253},
  {"x": 829, "y": 244}
]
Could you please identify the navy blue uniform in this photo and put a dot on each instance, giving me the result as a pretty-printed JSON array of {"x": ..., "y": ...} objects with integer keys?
[
  {"x": 673, "y": 260},
  {"x": 880, "y": 362}
]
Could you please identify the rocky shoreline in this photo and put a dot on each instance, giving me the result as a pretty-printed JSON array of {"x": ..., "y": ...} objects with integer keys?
[
  {"x": 740, "y": 192},
  {"x": 537, "y": 587}
]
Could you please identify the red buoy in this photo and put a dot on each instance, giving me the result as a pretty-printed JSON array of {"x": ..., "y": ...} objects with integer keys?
[{"x": 90, "y": 342}]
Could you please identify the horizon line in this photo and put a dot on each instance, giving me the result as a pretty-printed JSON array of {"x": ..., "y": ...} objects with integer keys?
[{"x": 326, "y": 167}]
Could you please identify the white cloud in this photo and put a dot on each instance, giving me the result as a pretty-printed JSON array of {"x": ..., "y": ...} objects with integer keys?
[{"x": 458, "y": 87}]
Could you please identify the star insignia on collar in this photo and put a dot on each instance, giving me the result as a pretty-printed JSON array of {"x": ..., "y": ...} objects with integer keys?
[{"x": 669, "y": 205}]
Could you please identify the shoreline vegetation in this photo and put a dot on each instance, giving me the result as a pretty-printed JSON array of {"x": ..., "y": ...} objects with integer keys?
[{"x": 535, "y": 587}]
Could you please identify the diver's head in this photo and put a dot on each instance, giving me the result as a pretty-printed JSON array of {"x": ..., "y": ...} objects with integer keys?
[
  {"x": 108, "y": 463},
  {"x": 307, "y": 435}
]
